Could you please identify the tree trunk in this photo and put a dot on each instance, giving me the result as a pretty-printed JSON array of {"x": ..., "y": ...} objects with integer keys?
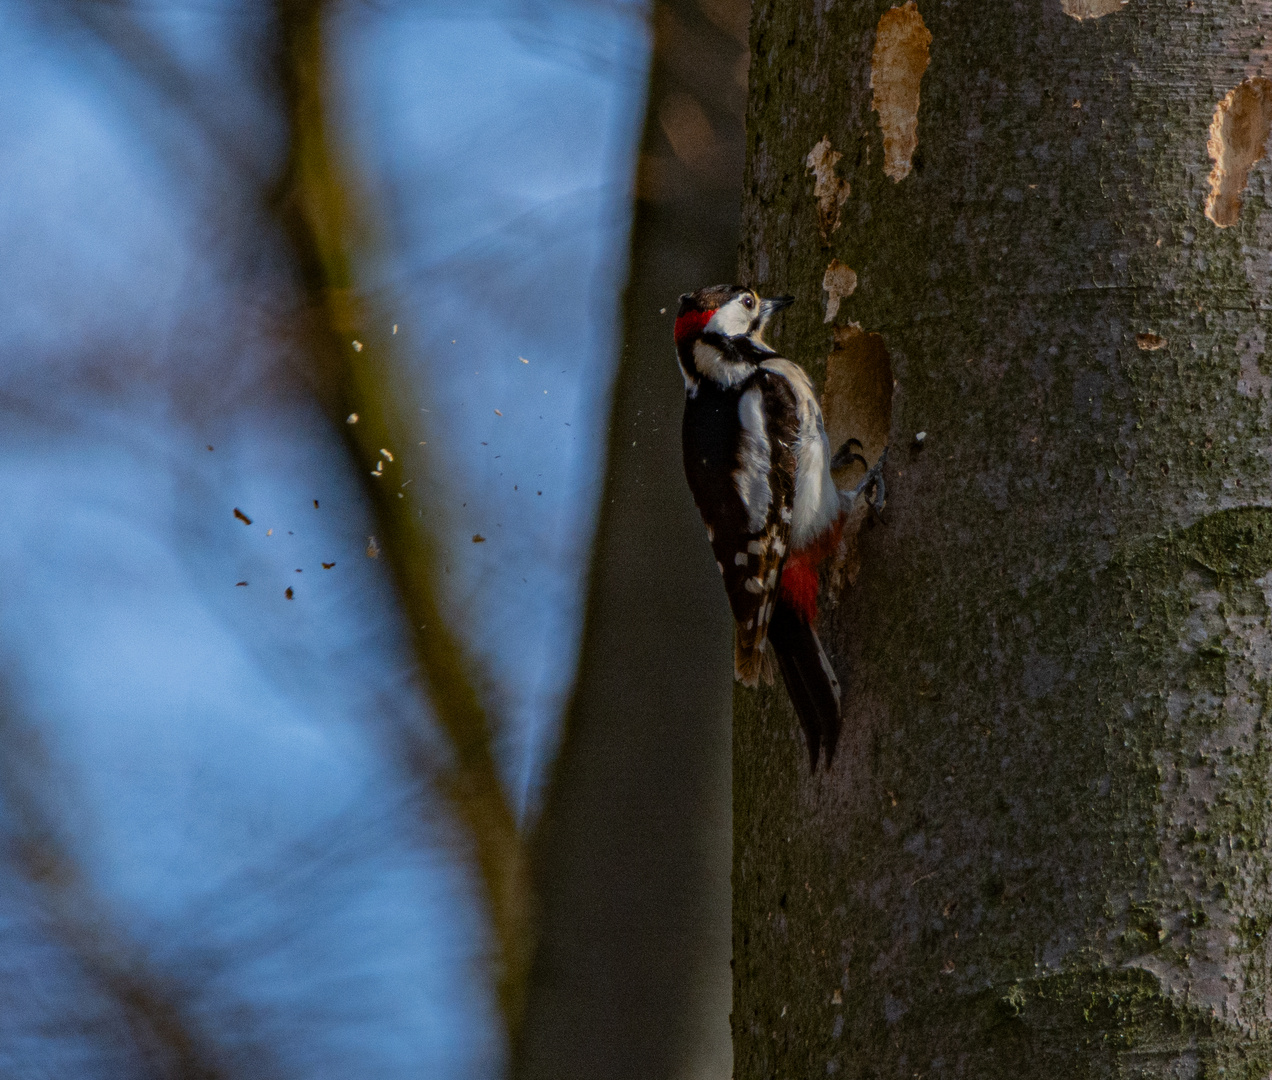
[{"x": 1043, "y": 848}]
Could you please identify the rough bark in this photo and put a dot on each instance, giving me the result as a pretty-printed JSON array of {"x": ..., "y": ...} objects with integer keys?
[{"x": 1044, "y": 848}]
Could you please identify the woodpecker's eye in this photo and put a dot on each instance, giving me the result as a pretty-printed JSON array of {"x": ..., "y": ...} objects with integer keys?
[{"x": 748, "y": 301}]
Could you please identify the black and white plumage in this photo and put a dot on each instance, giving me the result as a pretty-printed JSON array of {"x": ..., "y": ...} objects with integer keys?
[{"x": 758, "y": 463}]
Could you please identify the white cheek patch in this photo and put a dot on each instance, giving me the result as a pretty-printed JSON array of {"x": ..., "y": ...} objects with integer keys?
[
  {"x": 751, "y": 476},
  {"x": 733, "y": 318},
  {"x": 715, "y": 366}
]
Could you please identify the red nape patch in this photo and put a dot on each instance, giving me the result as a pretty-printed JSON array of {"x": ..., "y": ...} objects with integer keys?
[
  {"x": 691, "y": 322},
  {"x": 799, "y": 587}
]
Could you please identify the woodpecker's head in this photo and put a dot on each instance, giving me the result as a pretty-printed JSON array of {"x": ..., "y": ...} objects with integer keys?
[{"x": 727, "y": 310}]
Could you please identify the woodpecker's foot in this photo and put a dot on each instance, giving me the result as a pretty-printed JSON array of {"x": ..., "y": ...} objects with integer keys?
[
  {"x": 846, "y": 455},
  {"x": 871, "y": 485}
]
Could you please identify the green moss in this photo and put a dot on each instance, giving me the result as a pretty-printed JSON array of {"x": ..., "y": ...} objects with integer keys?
[{"x": 1235, "y": 542}]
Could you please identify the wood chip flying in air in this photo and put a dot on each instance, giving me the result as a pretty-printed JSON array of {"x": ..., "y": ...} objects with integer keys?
[
  {"x": 328, "y": 565},
  {"x": 498, "y": 413},
  {"x": 242, "y": 516},
  {"x": 315, "y": 504},
  {"x": 478, "y": 538},
  {"x": 357, "y": 346},
  {"x": 523, "y": 359},
  {"x": 373, "y": 548},
  {"x": 352, "y": 418},
  {"x": 387, "y": 456},
  {"x": 238, "y": 583},
  {"x": 289, "y": 593}
]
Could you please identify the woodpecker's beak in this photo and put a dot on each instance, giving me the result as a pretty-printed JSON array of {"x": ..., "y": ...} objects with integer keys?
[{"x": 771, "y": 306}]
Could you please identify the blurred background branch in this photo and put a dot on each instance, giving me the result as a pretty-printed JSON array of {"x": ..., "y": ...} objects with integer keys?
[
  {"x": 252, "y": 642},
  {"x": 632, "y": 854},
  {"x": 315, "y": 207}
]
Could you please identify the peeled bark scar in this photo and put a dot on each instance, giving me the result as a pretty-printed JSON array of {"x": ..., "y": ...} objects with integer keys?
[
  {"x": 840, "y": 280},
  {"x": 899, "y": 61},
  {"x": 828, "y": 189},
  {"x": 857, "y": 404},
  {"x": 1238, "y": 138}
]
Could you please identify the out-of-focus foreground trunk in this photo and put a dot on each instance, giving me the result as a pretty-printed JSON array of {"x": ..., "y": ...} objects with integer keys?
[
  {"x": 632, "y": 854},
  {"x": 1043, "y": 848}
]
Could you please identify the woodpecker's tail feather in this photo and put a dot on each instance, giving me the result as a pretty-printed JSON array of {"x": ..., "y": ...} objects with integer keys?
[
  {"x": 810, "y": 680},
  {"x": 752, "y": 662},
  {"x": 746, "y": 661}
]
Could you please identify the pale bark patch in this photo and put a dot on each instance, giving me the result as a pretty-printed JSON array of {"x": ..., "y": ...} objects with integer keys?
[
  {"x": 856, "y": 404},
  {"x": 1150, "y": 342},
  {"x": 1253, "y": 383},
  {"x": 899, "y": 61},
  {"x": 1090, "y": 9},
  {"x": 828, "y": 189},
  {"x": 839, "y": 281},
  {"x": 1238, "y": 138}
]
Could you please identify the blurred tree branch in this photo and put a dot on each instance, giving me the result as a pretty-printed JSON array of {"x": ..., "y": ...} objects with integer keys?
[
  {"x": 157, "y": 1018},
  {"x": 316, "y": 206},
  {"x": 632, "y": 977}
]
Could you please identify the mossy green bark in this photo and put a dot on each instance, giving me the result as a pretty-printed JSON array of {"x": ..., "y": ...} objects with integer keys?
[{"x": 1044, "y": 846}]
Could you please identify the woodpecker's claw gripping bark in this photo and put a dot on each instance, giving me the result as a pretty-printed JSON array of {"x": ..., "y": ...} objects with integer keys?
[
  {"x": 846, "y": 455},
  {"x": 871, "y": 482}
]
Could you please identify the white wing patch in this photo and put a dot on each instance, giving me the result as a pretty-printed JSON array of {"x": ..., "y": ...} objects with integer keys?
[
  {"x": 751, "y": 477},
  {"x": 816, "y": 504}
]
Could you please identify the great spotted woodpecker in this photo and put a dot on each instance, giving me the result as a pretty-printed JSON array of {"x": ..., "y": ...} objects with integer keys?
[{"x": 759, "y": 465}]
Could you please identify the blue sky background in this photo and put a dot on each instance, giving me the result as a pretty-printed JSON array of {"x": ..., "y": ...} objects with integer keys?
[
  {"x": 497, "y": 143},
  {"x": 211, "y": 792}
]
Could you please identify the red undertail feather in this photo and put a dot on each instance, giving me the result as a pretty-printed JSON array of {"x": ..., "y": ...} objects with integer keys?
[
  {"x": 799, "y": 586},
  {"x": 799, "y": 575}
]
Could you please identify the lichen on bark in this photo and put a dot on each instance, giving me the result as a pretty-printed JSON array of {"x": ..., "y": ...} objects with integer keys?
[{"x": 1044, "y": 849}]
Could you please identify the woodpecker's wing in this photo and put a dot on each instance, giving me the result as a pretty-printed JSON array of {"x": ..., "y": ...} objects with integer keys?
[{"x": 764, "y": 478}]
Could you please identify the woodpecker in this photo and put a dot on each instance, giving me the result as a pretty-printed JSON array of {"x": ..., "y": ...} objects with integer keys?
[{"x": 758, "y": 462}]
